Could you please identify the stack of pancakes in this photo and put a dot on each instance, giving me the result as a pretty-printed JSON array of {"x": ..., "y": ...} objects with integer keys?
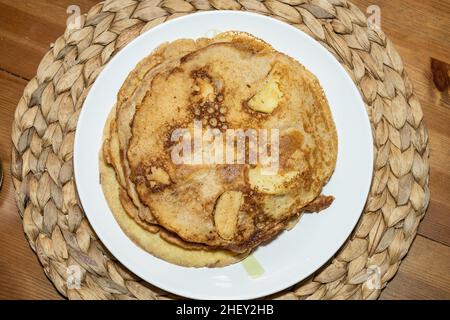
[{"x": 214, "y": 214}]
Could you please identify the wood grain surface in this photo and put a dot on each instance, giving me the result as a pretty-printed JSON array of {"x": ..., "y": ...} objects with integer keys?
[{"x": 419, "y": 29}]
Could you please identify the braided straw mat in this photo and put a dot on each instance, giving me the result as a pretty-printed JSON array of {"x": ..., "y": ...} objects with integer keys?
[{"x": 46, "y": 118}]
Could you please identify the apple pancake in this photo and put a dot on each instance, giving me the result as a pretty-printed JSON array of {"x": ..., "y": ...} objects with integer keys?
[
  {"x": 110, "y": 154},
  {"x": 161, "y": 244},
  {"x": 111, "y": 151},
  {"x": 239, "y": 83},
  {"x": 132, "y": 92}
]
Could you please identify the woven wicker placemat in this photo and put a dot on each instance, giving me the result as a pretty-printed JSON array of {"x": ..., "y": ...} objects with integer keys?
[{"x": 46, "y": 118}]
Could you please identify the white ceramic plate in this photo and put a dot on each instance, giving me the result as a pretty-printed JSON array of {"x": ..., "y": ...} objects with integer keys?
[{"x": 295, "y": 254}]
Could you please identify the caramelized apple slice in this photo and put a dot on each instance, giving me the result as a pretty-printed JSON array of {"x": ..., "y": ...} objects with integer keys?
[
  {"x": 226, "y": 213},
  {"x": 268, "y": 97},
  {"x": 270, "y": 183}
]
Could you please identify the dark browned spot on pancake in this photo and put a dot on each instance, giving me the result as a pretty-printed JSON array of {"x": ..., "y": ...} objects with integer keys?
[{"x": 208, "y": 109}]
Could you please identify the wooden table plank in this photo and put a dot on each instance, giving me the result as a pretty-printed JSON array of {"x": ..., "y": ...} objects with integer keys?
[
  {"x": 28, "y": 28},
  {"x": 419, "y": 29},
  {"x": 423, "y": 274},
  {"x": 417, "y": 23}
]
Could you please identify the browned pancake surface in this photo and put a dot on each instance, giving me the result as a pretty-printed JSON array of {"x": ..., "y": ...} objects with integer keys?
[{"x": 239, "y": 83}]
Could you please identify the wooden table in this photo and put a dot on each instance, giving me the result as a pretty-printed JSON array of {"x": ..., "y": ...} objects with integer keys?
[{"x": 420, "y": 29}]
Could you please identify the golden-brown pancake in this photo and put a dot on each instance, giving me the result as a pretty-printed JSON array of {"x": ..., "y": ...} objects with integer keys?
[
  {"x": 131, "y": 93},
  {"x": 111, "y": 157},
  {"x": 237, "y": 83},
  {"x": 161, "y": 244}
]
